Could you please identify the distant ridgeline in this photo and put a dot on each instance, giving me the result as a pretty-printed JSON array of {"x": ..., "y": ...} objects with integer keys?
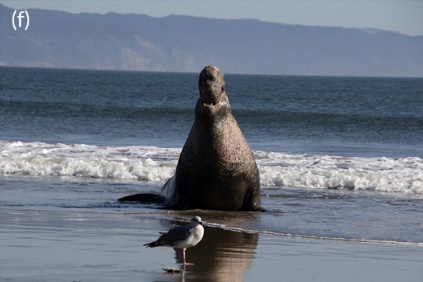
[{"x": 186, "y": 44}]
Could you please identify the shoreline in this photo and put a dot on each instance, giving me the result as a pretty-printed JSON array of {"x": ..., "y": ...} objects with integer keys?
[{"x": 91, "y": 245}]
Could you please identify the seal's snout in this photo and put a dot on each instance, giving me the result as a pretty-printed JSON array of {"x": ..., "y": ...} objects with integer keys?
[{"x": 211, "y": 84}]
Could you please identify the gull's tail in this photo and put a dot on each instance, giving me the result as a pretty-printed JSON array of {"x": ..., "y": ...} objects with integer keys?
[{"x": 152, "y": 244}]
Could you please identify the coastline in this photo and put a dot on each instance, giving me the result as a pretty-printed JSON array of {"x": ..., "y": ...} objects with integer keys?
[{"x": 66, "y": 244}]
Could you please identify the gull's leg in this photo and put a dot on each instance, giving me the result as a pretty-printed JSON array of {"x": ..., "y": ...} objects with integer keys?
[{"x": 183, "y": 255}]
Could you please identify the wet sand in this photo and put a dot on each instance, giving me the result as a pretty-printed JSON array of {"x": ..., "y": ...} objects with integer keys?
[{"x": 65, "y": 244}]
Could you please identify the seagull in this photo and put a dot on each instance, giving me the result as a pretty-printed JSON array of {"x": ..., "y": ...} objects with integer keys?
[{"x": 181, "y": 237}]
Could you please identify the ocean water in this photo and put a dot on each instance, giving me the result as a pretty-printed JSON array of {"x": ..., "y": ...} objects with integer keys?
[{"x": 339, "y": 158}]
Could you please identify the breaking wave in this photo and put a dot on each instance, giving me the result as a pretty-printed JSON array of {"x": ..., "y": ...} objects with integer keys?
[{"x": 403, "y": 175}]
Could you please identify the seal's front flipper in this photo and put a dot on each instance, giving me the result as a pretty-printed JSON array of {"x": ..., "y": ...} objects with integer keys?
[{"x": 143, "y": 198}]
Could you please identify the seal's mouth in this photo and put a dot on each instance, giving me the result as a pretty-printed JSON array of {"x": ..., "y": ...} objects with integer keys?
[
  {"x": 209, "y": 98},
  {"x": 208, "y": 103}
]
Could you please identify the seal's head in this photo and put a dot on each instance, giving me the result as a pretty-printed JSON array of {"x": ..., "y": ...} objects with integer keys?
[
  {"x": 211, "y": 84},
  {"x": 213, "y": 100}
]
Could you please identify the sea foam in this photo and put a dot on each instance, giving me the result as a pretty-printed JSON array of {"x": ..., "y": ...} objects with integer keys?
[{"x": 404, "y": 175}]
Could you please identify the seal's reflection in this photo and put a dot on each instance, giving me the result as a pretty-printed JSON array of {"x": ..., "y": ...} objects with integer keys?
[{"x": 222, "y": 255}]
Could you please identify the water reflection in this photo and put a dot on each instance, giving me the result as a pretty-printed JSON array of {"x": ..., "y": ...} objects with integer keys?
[{"x": 222, "y": 255}]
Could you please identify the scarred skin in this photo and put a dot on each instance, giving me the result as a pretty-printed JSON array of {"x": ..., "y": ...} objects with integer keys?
[{"x": 216, "y": 169}]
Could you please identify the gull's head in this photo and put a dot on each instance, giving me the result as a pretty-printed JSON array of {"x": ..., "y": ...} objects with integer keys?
[{"x": 196, "y": 220}]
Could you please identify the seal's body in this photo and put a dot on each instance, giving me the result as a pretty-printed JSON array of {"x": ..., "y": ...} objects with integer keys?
[{"x": 216, "y": 168}]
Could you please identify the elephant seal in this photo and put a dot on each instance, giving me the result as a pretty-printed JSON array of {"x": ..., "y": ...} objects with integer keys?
[{"x": 216, "y": 168}]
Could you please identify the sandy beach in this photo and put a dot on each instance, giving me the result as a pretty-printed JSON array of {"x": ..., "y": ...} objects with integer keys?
[{"x": 85, "y": 245}]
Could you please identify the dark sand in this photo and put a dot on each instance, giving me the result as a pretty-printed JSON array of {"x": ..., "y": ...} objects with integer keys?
[{"x": 82, "y": 245}]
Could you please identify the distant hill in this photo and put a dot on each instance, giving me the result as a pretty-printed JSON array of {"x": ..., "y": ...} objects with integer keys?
[{"x": 186, "y": 44}]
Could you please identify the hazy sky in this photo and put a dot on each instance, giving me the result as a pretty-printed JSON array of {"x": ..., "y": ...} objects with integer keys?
[{"x": 398, "y": 15}]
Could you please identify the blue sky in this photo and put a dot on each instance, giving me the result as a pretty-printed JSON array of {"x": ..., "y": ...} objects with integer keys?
[{"x": 398, "y": 15}]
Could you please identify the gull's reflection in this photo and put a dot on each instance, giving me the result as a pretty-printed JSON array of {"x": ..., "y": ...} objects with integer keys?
[{"x": 222, "y": 255}]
